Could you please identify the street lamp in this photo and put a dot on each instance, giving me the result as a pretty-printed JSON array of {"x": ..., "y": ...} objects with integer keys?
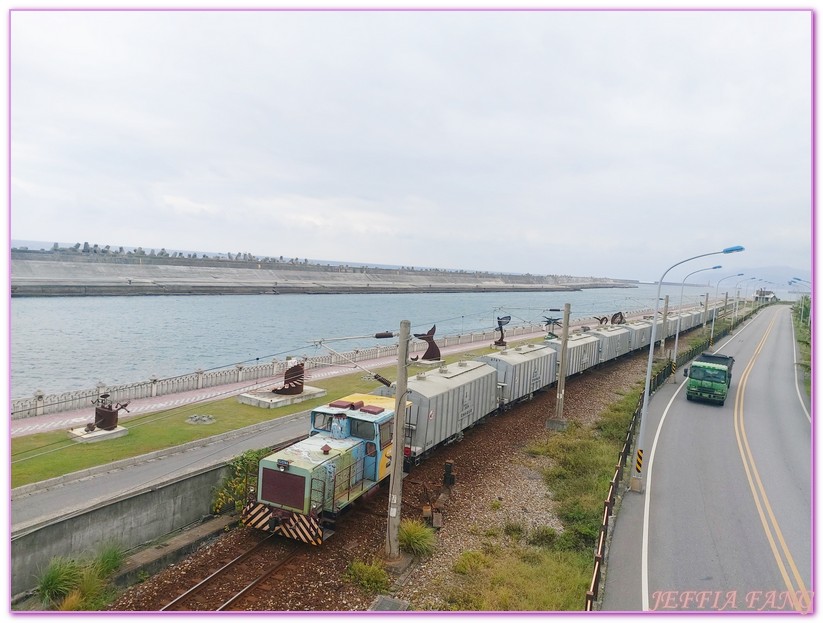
[
  {"x": 795, "y": 282},
  {"x": 637, "y": 478},
  {"x": 680, "y": 311},
  {"x": 737, "y": 294},
  {"x": 714, "y": 310}
]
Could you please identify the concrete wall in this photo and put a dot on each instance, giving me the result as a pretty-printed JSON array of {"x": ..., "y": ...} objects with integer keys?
[{"x": 129, "y": 521}]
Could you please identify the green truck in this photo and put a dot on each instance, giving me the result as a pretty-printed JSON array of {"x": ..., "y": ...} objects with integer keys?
[{"x": 710, "y": 376}]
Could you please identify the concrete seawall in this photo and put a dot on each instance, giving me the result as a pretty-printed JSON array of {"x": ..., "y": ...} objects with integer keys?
[{"x": 34, "y": 274}]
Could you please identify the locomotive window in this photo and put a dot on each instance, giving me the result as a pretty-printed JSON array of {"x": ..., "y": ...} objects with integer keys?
[
  {"x": 371, "y": 449},
  {"x": 386, "y": 432},
  {"x": 361, "y": 429},
  {"x": 323, "y": 421}
]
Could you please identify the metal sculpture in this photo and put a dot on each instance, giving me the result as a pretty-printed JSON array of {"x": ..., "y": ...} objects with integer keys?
[
  {"x": 602, "y": 319},
  {"x": 551, "y": 323},
  {"x": 618, "y": 318},
  {"x": 501, "y": 322},
  {"x": 292, "y": 381},
  {"x": 433, "y": 351},
  {"x": 105, "y": 415}
]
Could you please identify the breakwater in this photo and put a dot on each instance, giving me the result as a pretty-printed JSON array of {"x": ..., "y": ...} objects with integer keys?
[{"x": 42, "y": 273}]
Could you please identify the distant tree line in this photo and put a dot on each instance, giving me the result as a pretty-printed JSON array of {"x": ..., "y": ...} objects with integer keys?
[{"x": 89, "y": 250}]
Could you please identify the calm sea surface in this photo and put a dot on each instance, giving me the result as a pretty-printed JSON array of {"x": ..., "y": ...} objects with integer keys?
[{"x": 67, "y": 344}]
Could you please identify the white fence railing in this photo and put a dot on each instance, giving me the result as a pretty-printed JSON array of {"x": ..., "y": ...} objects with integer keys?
[{"x": 41, "y": 404}]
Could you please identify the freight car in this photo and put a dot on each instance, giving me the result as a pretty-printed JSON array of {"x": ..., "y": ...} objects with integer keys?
[{"x": 303, "y": 488}]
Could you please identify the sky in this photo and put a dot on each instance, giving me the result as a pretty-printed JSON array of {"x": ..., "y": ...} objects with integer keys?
[{"x": 586, "y": 143}]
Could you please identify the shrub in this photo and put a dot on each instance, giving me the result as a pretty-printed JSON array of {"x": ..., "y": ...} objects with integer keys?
[
  {"x": 416, "y": 537},
  {"x": 234, "y": 489},
  {"x": 372, "y": 577}
]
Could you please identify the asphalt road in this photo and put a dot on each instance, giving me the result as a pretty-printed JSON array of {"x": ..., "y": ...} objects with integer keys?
[{"x": 725, "y": 521}]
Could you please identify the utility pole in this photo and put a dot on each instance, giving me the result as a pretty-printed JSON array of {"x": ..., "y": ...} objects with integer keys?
[
  {"x": 396, "y": 482},
  {"x": 706, "y": 311},
  {"x": 663, "y": 326},
  {"x": 564, "y": 355}
]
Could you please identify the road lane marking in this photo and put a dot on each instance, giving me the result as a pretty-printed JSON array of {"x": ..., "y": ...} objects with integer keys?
[
  {"x": 761, "y": 500},
  {"x": 796, "y": 379}
]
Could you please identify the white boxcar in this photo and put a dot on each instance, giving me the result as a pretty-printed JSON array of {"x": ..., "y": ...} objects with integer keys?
[
  {"x": 640, "y": 333},
  {"x": 583, "y": 351},
  {"x": 686, "y": 321},
  {"x": 523, "y": 370},
  {"x": 445, "y": 401},
  {"x": 614, "y": 341}
]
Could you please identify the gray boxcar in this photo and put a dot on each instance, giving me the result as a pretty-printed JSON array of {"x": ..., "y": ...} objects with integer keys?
[
  {"x": 614, "y": 341},
  {"x": 583, "y": 351},
  {"x": 640, "y": 333},
  {"x": 446, "y": 401},
  {"x": 523, "y": 370}
]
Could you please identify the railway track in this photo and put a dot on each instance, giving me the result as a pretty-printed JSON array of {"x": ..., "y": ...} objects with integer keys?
[{"x": 234, "y": 583}]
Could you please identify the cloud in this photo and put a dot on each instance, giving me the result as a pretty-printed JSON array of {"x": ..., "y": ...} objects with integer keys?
[{"x": 546, "y": 141}]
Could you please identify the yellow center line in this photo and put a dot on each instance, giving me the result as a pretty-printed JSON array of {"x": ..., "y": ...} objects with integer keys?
[{"x": 759, "y": 491}]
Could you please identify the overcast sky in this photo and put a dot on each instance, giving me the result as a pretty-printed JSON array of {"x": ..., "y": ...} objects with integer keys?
[{"x": 605, "y": 143}]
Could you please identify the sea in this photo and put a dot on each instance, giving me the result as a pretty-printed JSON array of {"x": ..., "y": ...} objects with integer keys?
[{"x": 62, "y": 344}]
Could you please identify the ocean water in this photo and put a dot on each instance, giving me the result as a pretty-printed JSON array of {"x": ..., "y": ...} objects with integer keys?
[{"x": 72, "y": 343}]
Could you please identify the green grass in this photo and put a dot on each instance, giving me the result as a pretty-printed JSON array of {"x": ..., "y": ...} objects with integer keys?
[
  {"x": 369, "y": 576},
  {"x": 68, "y": 584},
  {"x": 416, "y": 537},
  {"x": 520, "y": 579}
]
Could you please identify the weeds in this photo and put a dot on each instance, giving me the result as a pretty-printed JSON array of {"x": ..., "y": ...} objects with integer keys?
[
  {"x": 369, "y": 576},
  {"x": 416, "y": 538},
  {"x": 68, "y": 584}
]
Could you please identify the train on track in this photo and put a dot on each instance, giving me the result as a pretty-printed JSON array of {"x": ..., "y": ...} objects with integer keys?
[{"x": 302, "y": 488}]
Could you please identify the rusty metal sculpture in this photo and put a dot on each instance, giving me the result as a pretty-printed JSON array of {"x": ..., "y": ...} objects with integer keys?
[
  {"x": 292, "y": 381},
  {"x": 601, "y": 319},
  {"x": 105, "y": 415},
  {"x": 618, "y": 318},
  {"x": 433, "y": 351}
]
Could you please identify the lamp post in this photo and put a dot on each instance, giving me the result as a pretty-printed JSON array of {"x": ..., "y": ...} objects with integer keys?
[
  {"x": 737, "y": 294},
  {"x": 637, "y": 478},
  {"x": 796, "y": 282},
  {"x": 714, "y": 310},
  {"x": 679, "y": 312}
]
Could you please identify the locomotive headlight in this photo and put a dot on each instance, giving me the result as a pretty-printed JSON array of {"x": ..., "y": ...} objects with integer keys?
[{"x": 283, "y": 465}]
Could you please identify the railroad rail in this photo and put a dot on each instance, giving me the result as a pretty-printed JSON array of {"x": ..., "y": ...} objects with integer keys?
[{"x": 219, "y": 590}]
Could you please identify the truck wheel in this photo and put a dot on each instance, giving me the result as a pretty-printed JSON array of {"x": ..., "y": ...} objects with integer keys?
[
  {"x": 688, "y": 397},
  {"x": 722, "y": 402}
]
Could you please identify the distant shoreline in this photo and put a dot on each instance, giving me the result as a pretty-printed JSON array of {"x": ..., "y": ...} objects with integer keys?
[{"x": 61, "y": 274}]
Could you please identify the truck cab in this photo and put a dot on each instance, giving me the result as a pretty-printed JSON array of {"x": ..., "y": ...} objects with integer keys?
[{"x": 710, "y": 377}]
